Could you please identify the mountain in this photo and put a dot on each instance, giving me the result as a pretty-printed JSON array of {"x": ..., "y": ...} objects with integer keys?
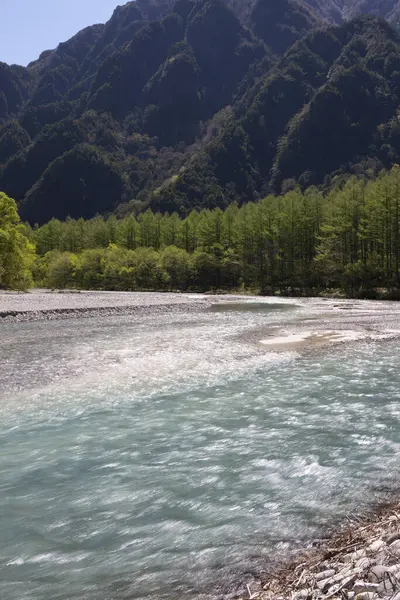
[
  {"x": 190, "y": 103},
  {"x": 328, "y": 107},
  {"x": 338, "y": 11}
]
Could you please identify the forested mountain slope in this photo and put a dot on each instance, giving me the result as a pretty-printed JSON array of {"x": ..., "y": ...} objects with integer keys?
[
  {"x": 339, "y": 10},
  {"x": 329, "y": 106},
  {"x": 196, "y": 103}
]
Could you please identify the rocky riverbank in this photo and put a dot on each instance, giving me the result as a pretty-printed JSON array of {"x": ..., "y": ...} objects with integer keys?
[
  {"x": 69, "y": 313},
  {"x": 359, "y": 563},
  {"x": 45, "y": 305}
]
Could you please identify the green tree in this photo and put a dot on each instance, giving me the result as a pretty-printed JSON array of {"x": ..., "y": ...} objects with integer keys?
[
  {"x": 177, "y": 263},
  {"x": 17, "y": 253},
  {"x": 62, "y": 270}
]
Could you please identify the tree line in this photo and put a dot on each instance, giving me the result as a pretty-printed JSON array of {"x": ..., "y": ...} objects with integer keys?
[{"x": 298, "y": 243}]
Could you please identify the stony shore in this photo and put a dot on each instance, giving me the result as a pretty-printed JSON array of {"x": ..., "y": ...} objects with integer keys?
[
  {"x": 361, "y": 562},
  {"x": 45, "y": 305}
]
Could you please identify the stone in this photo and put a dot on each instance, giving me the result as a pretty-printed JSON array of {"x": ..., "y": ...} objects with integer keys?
[
  {"x": 395, "y": 570},
  {"x": 377, "y": 573},
  {"x": 347, "y": 557},
  {"x": 324, "y": 583},
  {"x": 388, "y": 585},
  {"x": 325, "y": 574},
  {"x": 365, "y": 586},
  {"x": 351, "y": 595},
  {"x": 302, "y": 595},
  {"x": 341, "y": 584},
  {"x": 376, "y": 546},
  {"x": 348, "y": 581},
  {"x": 382, "y": 556},
  {"x": 393, "y": 538},
  {"x": 394, "y": 548},
  {"x": 357, "y": 554},
  {"x": 354, "y": 556},
  {"x": 345, "y": 573},
  {"x": 364, "y": 563}
]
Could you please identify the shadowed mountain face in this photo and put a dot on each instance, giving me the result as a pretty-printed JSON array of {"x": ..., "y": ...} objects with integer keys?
[{"x": 197, "y": 103}]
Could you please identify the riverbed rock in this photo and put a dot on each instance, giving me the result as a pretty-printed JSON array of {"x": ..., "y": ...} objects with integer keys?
[
  {"x": 364, "y": 563},
  {"x": 367, "y": 596},
  {"x": 393, "y": 538},
  {"x": 376, "y": 546},
  {"x": 302, "y": 595},
  {"x": 323, "y": 584},
  {"x": 395, "y": 571},
  {"x": 388, "y": 586},
  {"x": 342, "y": 584},
  {"x": 361, "y": 586},
  {"x": 358, "y": 554},
  {"x": 346, "y": 573},
  {"x": 381, "y": 557},
  {"x": 394, "y": 548},
  {"x": 325, "y": 574},
  {"x": 377, "y": 573}
]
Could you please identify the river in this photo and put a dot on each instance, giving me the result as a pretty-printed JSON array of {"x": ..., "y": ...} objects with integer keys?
[{"x": 173, "y": 453}]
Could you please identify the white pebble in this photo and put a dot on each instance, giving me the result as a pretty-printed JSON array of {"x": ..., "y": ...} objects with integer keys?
[
  {"x": 377, "y": 573},
  {"x": 376, "y": 546},
  {"x": 394, "y": 548},
  {"x": 364, "y": 563},
  {"x": 365, "y": 586},
  {"x": 325, "y": 574}
]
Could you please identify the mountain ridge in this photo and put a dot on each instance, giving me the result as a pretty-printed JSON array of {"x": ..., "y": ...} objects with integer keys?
[{"x": 178, "y": 105}]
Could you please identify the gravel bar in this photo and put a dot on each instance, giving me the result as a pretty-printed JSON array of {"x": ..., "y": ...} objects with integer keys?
[{"x": 44, "y": 305}]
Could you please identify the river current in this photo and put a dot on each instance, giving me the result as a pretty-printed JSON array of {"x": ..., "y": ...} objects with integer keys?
[{"x": 173, "y": 454}]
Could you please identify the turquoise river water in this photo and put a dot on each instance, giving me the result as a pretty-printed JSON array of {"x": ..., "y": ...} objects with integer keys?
[{"x": 172, "y": 455}]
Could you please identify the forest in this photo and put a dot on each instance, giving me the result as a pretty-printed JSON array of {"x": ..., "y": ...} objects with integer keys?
[{"x": 346, "y": 241}]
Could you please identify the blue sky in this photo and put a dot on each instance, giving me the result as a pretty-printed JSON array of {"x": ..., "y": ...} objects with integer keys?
[{"x": 30, "y": 26}]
